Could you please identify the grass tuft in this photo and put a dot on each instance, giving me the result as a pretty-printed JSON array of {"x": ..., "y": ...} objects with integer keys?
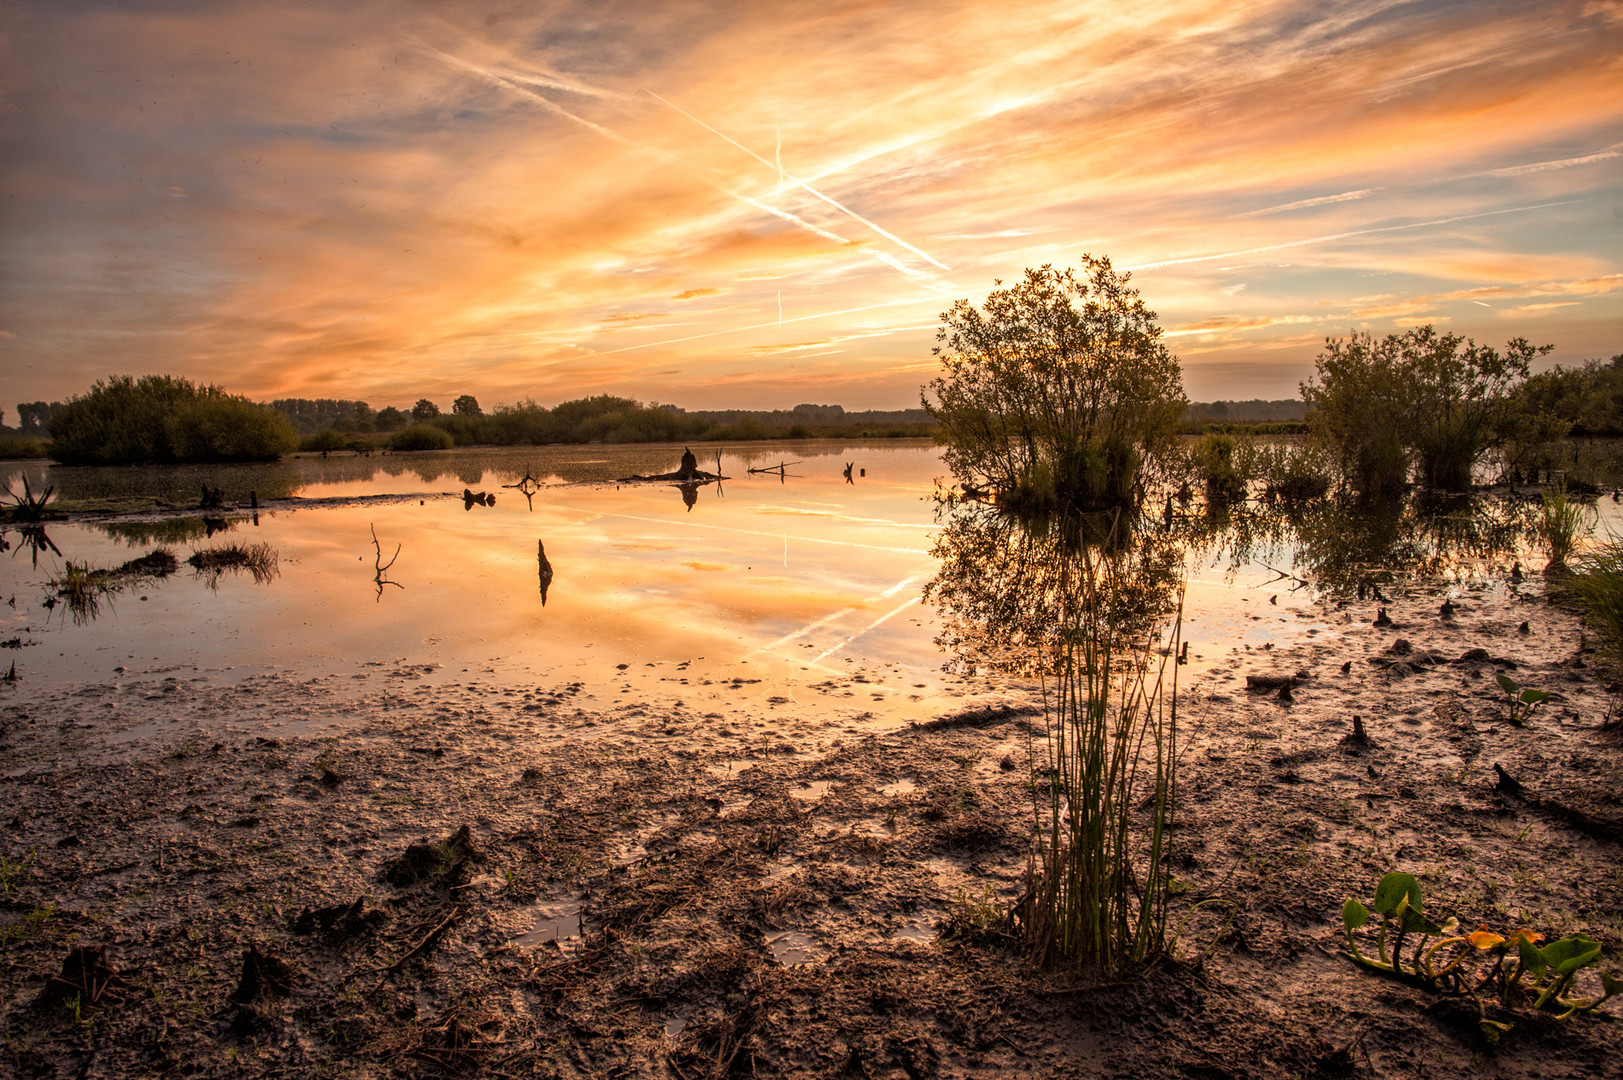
[{"x": 1097, "y": 882}]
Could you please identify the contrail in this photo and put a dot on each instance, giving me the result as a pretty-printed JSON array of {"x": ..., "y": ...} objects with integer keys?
[
  {"x": 513, "y": 83},
  {"x": 782, "y": 175},
  {"x": 764, "y": 326},
  {"x": 1345, "y": 235}
]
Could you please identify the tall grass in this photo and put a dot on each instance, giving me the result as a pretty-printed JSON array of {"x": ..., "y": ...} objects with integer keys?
[
  {"x": 1560, "y": 520},
  {"x": 1598, "y": 583},
  {"x": 1097, "y": 881}
]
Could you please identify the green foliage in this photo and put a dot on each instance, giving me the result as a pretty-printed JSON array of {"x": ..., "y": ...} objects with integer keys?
[
  {"x": 1433, "y": 403},
  {"x": 1098, "y": 881},
  {"x": 311, "y": 415},
  {"x": 1214, "y": 462},
  {"x": 1293, "y": 472},
  {"x": 160, "y": 419},
  {"x": 1598, "y": 583},
  {"x": 466, "y": 405},
  {"x": 389, "y": 418},
  {"x": 13, "y": 447},
  {"x": 1522, "y": 700},
  {"x": 1494, "y": 970},
  {"x": 421, "y": 437},
  {"x": 27, "y": 925},
  {"x": 323, "y": 441},
  {"x": 1561, "y": 518},
  {"x": 424, "y": 410},
  {"x": 1057, "y": 391}
]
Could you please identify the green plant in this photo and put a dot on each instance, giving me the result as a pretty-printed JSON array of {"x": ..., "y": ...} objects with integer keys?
[
  {"x": 1098, "y": 875},
  {"x": 1214, "y": 462},
  {"x": 1521, "y": 700},
  {"x": 1561, "y": 518},
  {"x": 977, "y": 918},
  {"x": 1488, "y": 967},
  {"x": 26, "y": 926},
  {"x": 164, "y": 420},
  {"x": 421, "y": 437},
  {"x": 1436, "y": 402},
  {"x": 1058, "y": 390}
]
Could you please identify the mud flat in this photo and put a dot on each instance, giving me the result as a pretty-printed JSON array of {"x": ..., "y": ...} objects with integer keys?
[{"x": 274, "y": 879}]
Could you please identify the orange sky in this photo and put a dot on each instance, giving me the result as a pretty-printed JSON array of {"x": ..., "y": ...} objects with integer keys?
[{"x": 746, "y": 204}]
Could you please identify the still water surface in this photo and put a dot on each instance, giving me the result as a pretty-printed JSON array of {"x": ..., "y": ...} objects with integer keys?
[{"x": 799, "y": 592}]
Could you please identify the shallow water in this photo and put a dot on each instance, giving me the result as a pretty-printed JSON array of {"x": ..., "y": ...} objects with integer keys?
[{"x": 783, "y": 594}]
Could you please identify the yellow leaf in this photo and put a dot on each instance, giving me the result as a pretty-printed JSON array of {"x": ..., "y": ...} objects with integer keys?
[{"x": 1486, "y": 939}]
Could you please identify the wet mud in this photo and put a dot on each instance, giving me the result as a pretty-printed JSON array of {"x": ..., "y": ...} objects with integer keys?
[{"x": 269, "y": 879}]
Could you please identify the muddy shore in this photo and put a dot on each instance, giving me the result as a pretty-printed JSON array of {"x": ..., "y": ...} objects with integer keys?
[{"x": 652, "y": 891}]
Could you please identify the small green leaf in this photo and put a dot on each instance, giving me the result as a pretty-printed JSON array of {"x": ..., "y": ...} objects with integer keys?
[
  {"x": 1354, "y": 914},
  {"x": 1571, "y": 953},
  {"x": 1533, "y": 961},
  {"x": 1534, "y": 697},
  {"x": 1492, "y": 1030},
  {"x": 1507, "y": 684},
  {"x": 1610, "y": 986},
  {"x": 1393, "y": 890},
  {"x": 1415, "y": 923}
]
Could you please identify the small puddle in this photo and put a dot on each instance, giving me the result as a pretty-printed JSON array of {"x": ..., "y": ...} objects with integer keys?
[
  {"x": 731, "y": 767},
  {"x": 552, "y": 924},
  {"x": 913, "y": 930},
  {"x": 903, "y": 786},
  {"x": 811, "y": 791},
  {"x": 791, "y": 948},
  {"x": 675, "y": 1025}
]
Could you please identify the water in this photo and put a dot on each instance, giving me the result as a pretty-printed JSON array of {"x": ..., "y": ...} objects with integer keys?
[{"x": 790, "y": 595}]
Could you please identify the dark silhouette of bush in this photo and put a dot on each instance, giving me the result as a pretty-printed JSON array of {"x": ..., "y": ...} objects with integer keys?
[
  {"x": 421, "y": 437},
  {"x": 164, "y": 420}
]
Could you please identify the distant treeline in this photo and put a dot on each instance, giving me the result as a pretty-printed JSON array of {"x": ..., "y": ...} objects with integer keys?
[
  {"x": 606, "y": 418},
  {"x": 1246, "y": 412}
]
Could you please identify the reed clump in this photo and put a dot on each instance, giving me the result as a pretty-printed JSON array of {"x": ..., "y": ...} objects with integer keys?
[
  {"x": 259, "y": 560},
  {"x": 1097, "y": 883},
  {"x": 1562, "y": 518}
]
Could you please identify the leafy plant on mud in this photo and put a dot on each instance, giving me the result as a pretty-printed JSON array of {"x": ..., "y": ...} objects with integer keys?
[
  {"x": 1521, "y": 700},
  {"x": 1490, "y": 968}
]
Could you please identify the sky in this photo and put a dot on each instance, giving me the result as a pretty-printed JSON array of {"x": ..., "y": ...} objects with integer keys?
[{"x": 753, "y": 205}]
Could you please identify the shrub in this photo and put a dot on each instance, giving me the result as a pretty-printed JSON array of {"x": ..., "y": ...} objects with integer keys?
[
  {"x": 421, "y": 437},
  {"x": 1436, "y": 403},
  {"x": 161, "y": 419},
  {"x": 1214, "y": 464},
  {"x": 14, "y": 447},
  {"x": 323, "y": 441},
  {"x": 1058, "y": 384}
]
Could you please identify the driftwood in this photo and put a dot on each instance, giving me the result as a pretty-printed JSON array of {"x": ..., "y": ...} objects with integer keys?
[
  {"x": 778, "y": 468},
  {"x": 688, "y": 473},
  {"x": 29, "y": 507}
]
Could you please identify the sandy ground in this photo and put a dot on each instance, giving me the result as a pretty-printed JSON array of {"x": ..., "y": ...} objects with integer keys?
[{"x": 652, "y": 891}]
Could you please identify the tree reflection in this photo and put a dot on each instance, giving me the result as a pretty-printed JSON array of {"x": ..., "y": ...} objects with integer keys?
[
  {"x": 1010, "y": 588},
  {"x": 1338, "y": 545}
]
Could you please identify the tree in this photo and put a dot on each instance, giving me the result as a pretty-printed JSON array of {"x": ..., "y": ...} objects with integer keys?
[
  {"x": 466, "y": 405},
  {"x": 161, "y": 419},
  {"x": 1058, "y": 391},
  {"x": 1434, "y": 403},
  {"x": 424, "y": 410},
  {"x": 389, "y": 418}
]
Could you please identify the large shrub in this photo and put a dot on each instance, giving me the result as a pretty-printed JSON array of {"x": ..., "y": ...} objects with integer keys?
[
  {"x": 421, "y": 437},
  {"x": 161, "y": 419},
  {"x": 1058, "y": 390},
  {"x": 1420, "y": 401}
]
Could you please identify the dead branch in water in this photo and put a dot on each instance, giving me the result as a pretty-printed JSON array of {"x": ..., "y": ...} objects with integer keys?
[{"x": 379, "y": 567}]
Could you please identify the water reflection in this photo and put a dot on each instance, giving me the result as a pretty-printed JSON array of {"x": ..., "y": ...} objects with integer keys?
[
  {"x": 1008, "y": 588},
  {"x": 181, "y": 530},
  {"x": 1337, "y": 545},
  {"x": 32, "y": 539}
]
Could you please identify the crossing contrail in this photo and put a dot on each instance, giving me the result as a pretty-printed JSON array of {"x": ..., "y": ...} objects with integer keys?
[{"x": 785, "y": 175}]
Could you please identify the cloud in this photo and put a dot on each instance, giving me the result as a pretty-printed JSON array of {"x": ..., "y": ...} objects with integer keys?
[{"x": 383, "y": 200}]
